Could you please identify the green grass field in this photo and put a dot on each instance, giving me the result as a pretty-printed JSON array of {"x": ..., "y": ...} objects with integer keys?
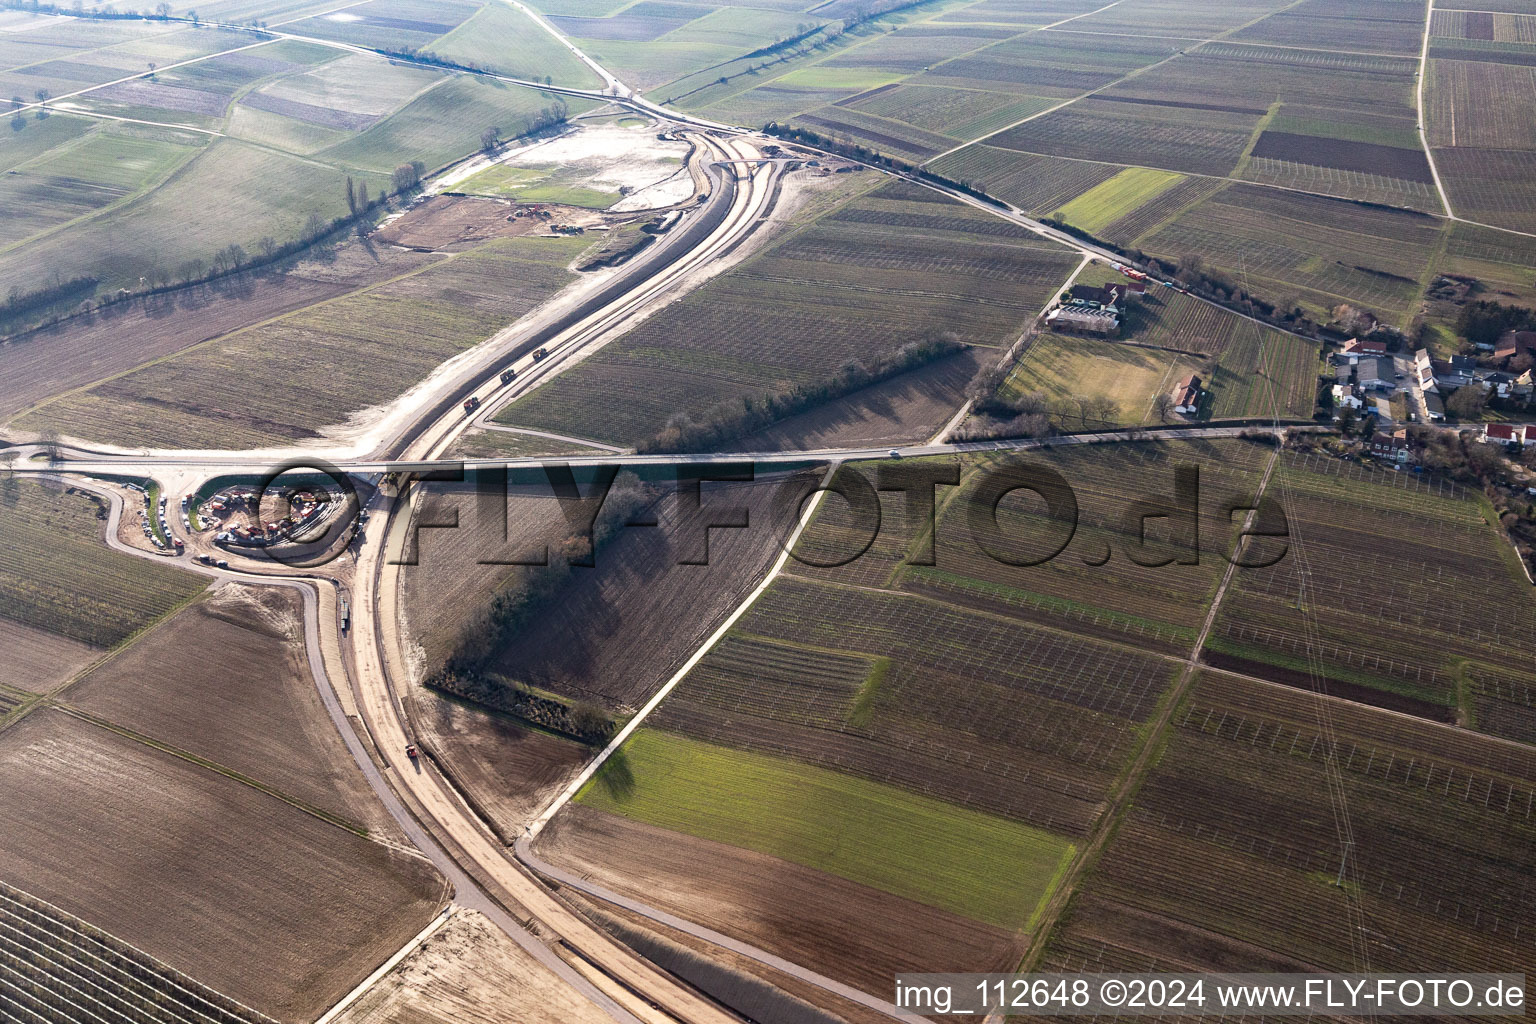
[
  {"x": 56, "y": 575},
  {"x": 1067, "y": 367},
  {"x": 985, "y": 867},
  {"x": 1126, "y": 192}
]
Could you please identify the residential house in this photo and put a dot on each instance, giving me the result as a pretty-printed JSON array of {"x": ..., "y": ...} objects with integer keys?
[
  {"x": 1374, "y": 374},
  {"x": 1424, "y": 370},
  {"x": 1435, "y": 406},
  {"x": 1186, "y": 395},
  {"x": 1498, "y": 382},
  {"x": 1455, "y": 372},
  {"x": 1523, "y": 386},
  {"x": 1346, "y": 396},
  {"x": 1356, "y": 349},
  {"x": 1504, "y": 433},
  {"x": 1392, "y": 447}
]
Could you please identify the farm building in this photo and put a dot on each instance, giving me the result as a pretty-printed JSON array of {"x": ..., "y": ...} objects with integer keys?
[
  {"x": 1381, "y": 406},
  {"x": 1515, "y": 343},
  {"x": 1393, "y": 447},
  {"x": 1083, "y": 318},
  {"x": 1186, "y": 394},
  {"x": 1356, "y": 349},
  {"x": 1373, "y": 374},
  {"x": 1504, "y": 433}
]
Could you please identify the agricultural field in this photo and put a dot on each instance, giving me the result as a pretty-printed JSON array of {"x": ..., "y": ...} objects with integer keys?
[
  {"x": 44, "y": 948},
  {"x": 1374, "y": 26},
  {"x": 246, "y": 893},
  {"x": 253, "y": 140},
  {"x": 878, "y": 704},
  {"x": 57, "y": 579},
  {"x": 227, "y": 680},
  {"x": 1229, "y": 854},
  {"x": 1479, "y": 89},
  {"x": 1405, "y": 635},
  {"x": 1035, "y": 183},
  {"x": 1114, "y": 132},
  {"x": 1499, "y": 259},
  {"x": 1117, "y": 198},
  {"x": 320, "y": 364},
  {"x": 389, "y": 24},
  {"x": 1065, "y": 368},
  {"x": 1318, "y": 250},
  {"x": 893, "y": 256},
  {"x": 653, "y": 610},
  {"x": 908, "y": 407},
  {"x": 862, "y": 831},
  {"x": 481, "y": 41}
]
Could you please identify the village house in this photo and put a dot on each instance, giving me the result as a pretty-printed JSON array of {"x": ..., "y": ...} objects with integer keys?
[
  {"x": 1346, "y": 396},
  {"x": 1455, "y": 372},
  {"x": 1504, "y": 433},
  {"x": 1356, "y": 349},
  {"x": 1424, "y": 369},
  {"x": 1498, "y": 382},
  {"x": 1186, "y": 395},
  {"x": 1392, "y": 447},
  {"x": 1435, "y": 406}
]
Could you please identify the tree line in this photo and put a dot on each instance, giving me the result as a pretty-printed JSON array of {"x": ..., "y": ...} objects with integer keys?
[{"x": 745, "y": 414}]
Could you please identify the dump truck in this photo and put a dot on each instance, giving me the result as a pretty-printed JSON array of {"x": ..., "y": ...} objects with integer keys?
[
  {"x": 470, "y": 405},
  {"x": 540, "y": 353},
  {"x": 508, "y": 375}
]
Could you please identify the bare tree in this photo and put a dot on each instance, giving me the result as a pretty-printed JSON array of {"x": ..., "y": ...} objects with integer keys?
[{"x": 1163, "y": 406}]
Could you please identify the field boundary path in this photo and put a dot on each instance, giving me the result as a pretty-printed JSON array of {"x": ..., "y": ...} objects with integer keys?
[{"x": 1146, "y": 756}]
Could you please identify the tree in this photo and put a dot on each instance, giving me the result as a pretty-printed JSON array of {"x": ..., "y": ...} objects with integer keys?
[
  {"x": 490, "y": 139},
  {"x": 1466, "y": 403},
  {"x": 151, "y": 70},
  {"x": 407, "y": 176},
  {"x": 268, "y": 247},
  {"x": 1347, "y": 419},
  {"x": 352, "y": 203},
  {"x": 1163, "y": 406},
  {"x": 162, "y": 10},
  {"x": 314, "y": 226}
]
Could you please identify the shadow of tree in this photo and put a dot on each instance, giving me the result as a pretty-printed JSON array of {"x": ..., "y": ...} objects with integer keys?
[{"x": 616, "y": 777}]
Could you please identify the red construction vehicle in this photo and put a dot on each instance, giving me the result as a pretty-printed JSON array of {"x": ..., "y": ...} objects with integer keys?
[
  {"x": 412, "y": 751},
  {"x": 470, "y": 405}
]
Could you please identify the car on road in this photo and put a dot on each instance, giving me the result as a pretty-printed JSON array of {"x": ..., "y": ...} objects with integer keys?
[{"x": 894, "y": 453}]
